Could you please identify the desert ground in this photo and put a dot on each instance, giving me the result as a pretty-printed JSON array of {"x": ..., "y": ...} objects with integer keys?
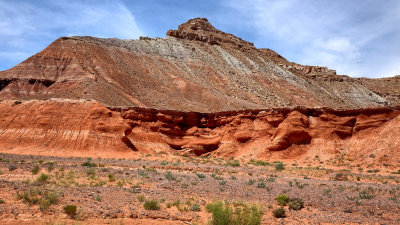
[{"x": 163, "y": 188}]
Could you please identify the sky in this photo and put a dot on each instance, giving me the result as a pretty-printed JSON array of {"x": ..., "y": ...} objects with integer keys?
[{"x": 359, "y": 38}]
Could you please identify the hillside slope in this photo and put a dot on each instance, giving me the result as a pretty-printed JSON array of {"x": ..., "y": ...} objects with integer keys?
[{"x": 195, "y": 68}]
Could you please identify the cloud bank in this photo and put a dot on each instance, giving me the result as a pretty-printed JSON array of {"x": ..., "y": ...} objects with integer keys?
[
  {"x": 358, "y": 38},
  {"x": 26, "y": 26}
]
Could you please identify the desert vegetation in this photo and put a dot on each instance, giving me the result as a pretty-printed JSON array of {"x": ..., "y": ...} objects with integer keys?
[{"x": 202, "y": 190}]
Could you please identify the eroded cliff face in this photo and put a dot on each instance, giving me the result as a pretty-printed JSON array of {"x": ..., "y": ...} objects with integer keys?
[
  {"x": 61, "y": 127},
  {"x": 87, "y": 128},
  {"x": 259, "y": 133},
  {"x": 195, "y": 68}
]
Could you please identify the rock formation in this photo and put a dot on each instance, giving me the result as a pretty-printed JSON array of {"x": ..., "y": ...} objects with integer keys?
[{"x": 198, "y": 91}]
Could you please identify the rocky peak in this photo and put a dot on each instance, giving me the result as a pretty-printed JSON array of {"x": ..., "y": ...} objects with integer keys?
[{"x": 199, "y": 29}]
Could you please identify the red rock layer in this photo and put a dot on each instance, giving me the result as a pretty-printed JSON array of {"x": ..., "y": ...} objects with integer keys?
[{"x": 86, "y": 128}]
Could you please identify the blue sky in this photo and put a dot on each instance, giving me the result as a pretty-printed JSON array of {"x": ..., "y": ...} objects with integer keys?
[{"x": 357, "y": 37}]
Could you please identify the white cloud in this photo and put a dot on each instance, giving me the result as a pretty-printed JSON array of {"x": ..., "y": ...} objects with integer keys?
[
  {"x": 26, "y": 27},
  {"x": 354, "y": 37}
]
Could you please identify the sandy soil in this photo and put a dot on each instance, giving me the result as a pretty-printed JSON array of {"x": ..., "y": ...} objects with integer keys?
[{"x": 331, "y": 194}]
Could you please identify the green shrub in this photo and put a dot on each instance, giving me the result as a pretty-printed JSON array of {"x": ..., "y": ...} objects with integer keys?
[
  {"x": 279, "y": 166},
  {"x": 282, "y": 199},
  {"x": 195, "y": 208},
  {"x": 43, "y": 178},
  {"x": 70, "y": 210},
  {"x": 296, "y": 203},
  {"x": 261, "y": 184},
  {"x": 279, "y": 213},
  {"x": 169, "y": 176},
  {"x": 234, "y": 163},
  {"x": 1, "y": 201},
  {"x": 111, "y": 177},
  {"x": 251, "y": 182},
  {"x": 88, "y": 163},
  {"x": 50, "y": 166},
  {"x": 141, "y": 198},
  {"x": 35, "y": 169},
  {"x": 221, "y": 213},
  {"x": 200, "y": 175},
  {"x": 152, "y": 205},
  {"x": 224, "y": 214},
  {"x": 91, "y": 172},
  {"x": 43, "y": 197}
]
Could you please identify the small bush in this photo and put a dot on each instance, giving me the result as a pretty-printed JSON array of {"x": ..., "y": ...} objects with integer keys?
[
  {"x": 35, "y": 169},
  {"x": 261, "y": 184},
  {"x": 282, "y": 199},
  {"x": 1, "y": 201},
  {"x": 12, "y": 167},
  {"x": 279, "y": 213},
  {"x": 44, "y": 197},
  {"x": 251, "y": 182},
  {"x": 296, "y": 203},
  {"x": 169, "y": 176},
  {"x": 195, "y": 208},
  {"x": 234, "y": 163},
  {"x": 88, "y": 163},
  {"x": 111, "y": 177},
  {"x": 70, "y": 210},
  {"x": 141, "y": 198},
  {"x": 340, "y": 177},
  {"x": 50, "y": 166},
  {"x": 43, "y": 178},
  {"x": 223, "y": 213},
  {"x": 152, "y": 205},
  {"x": 91, "y": 172},
  {"x": 200, "y": 175},
  {"x": 279, "y": 166}
]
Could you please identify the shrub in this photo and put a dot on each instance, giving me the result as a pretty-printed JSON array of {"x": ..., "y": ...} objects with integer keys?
[
  {"x": 261, "y": 184},
  {"x": 12, "y": 167},
  {"x": 35, "y": 169},
  {"x": 251, "y": 182},
  {"x": 91, "y": 172},
  {"x": 195, "y": 208},
  {"x": 111, "y": 177},
  {"x": 234, "y": 163},
  {"x": 44, "y": 197},
  {"x": 279, "y": 166},
  {"x": 200, "y": 175},
  {"x": 1, "y": 201},
  {"x": 282, "y": 199},
  {"x": 223, "y": 213},
  {"x": 279, "y": 213},
  {"x": 88, "y": 163},
  {"x": 169, "y": 176},
  {"x": 340, "y": 177},
  {"x": 50, "y": 165},
  {"x": 43, "y": 178},
  {"x": 141, "y": 198},
  {"x": 152, "y": 205},
  {"x": 296, "y": 203},
  {"x": 247, "y": 215},
  {"x": 17, "y": 102},
  {"x": 70, "y": 210}
]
